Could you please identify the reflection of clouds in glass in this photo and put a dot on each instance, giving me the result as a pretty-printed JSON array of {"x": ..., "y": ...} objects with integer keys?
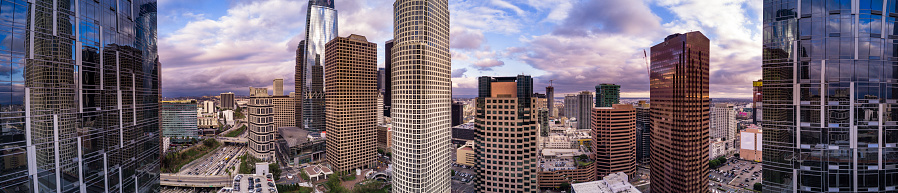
[{"x": 12, "y": 93}]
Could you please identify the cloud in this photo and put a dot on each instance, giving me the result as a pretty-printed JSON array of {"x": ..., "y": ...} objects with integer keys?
[
  {"x": 465, "y": 39},
  {"x": 458, "y": 73},
  {"x": 488, "y": 64},
  {"x": 611, "y": 16}
]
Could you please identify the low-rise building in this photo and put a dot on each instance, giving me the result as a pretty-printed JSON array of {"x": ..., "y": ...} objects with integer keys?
[
  {"x": 558, "y": 166},
  {"x": 463, "y": 133},
  {"x": 465, "y": 154},
  {"x": 718, "y": 147},
  {"x": 384, "y": 137},
  {"x": 750, "y": 147},
  {"x": 300, "y": 146},
  {"x": 613, "y": 183}
]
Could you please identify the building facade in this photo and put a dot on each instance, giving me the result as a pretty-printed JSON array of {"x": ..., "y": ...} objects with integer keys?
[
  {"x": 458, "y": 113},
  {"x": 284, "y": 111},
  {"x": 421, "y": 96},
  {"x": 321, "y": 27},
  {"x": 506, "y": 144},
  {"x": 756, "y": 103},
  {"x": 351, "y": 102},
  {"x": 79, "y": 110},
  {"x": 680, "y": 112},
  {"x": 388, "y": 77},
  {"x": 278, "y": 85},
  {"x": 607, "y": 95},
  {"x": 227, "y": 101},
  {"x": 751, "y": 142},
  {"x": 550, "y": 101},
  {"x": 644, "y": 132},
  {"x": 614, "y": 139},
  {"x": 584, "y": 110},
  {"x": 828, "y": 130},
  {"x": 260, "y": 115},
  {"x": 179, "y": 119},
  {"x": 723, "y": 121}
]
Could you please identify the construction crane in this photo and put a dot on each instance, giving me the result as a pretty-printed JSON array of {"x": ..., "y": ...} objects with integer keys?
[{"x": 645, "y": 56}]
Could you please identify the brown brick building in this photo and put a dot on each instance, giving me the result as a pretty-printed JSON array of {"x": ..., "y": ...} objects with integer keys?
[
  {"x": 351, "y": 97},
  {"x": 614, "y": 139}
]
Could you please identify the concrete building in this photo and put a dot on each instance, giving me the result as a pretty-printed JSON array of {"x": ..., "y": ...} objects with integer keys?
[
  {"x": 644, "y": 132},
  {"x": 584, "y": 110},
  {"x": 421, "y": 63},
  {"x": 558, "y": 166},
  {"x": 299, "y": 146},
  {"x": 227, "y": 101},
  {"x": 284, "y": 114},
  {"x": 228, "y": 116},
  {"x": 614, "y": 139},
  {"x": 465, "y": 155},
  {"x": 384, "y": 137},
  {"x": 261, "y": 130},
  {"x": 723, "y": 121},
  {"x": 208, "y": 107},
  {"x": 506, "y": 137},
  {"x": 613, "y": 183},
  {"x": 178, "y": 119},
  {"x": 351, "y": 102},
  {"x": 718, "y": 147},
  {"x": 571, "y": 106},
  {"x": 380, "y": 108},
  {"x": 751, "y": 143},
  {"x": 679, "y": 98},
  {"x": 321, "y": 28},
  {"x": 463, "y": 133},
  {"x": 278, "y": 85},
  {"x": 607, "y": 95},
  {"x": 550, "y": 101}
]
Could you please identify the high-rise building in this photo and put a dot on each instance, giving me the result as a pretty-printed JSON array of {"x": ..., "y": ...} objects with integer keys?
[
  {"x": 80, "y": 103},
  {"x": 829, "y": 130},
  {"x": 178, "y": 119},
  {"x": 571, "y": 106},
  {"x": 388, "y": 77},
  {"x": 458, "y": 113},
  {"x": 550, "y": 101},
  {"x": 584, "y": 110},
  {"x": 421, "y": 76},
  {"x": 284, "y": 111},
  {"x": 298, "y": 75},
  {"x": 680, "y": 113},
  {"x": 723, "y": 122},
  {"x": 278, "y": 85},
  {"x": 380, "y": 109},
  {"x": 321, "y": 27},
  {"x": 227, "y": 101},
  {"x": 643, "y": 132},
  {"x": 756, "y": 104},
  {"x": 607, "y": 95},
  {"x": 380, "y": 80},
  {"x": 351, "y": 102},
  {"x": 614, "y": 139},
  {"x": 543, "y": 122},
  {"x": 506, "y": 139},
  {"x": 260, "y": 115},
  {"x": 541, "y": 101},
  {"x": 208, "y": 107}
]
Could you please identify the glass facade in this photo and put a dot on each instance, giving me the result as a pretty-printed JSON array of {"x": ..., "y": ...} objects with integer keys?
[
  {"x": 607, "y": 95},
  {"x": 830, "y": 96},
  {"x": 179, "y": 119},
  {"x": 321, "y": 27},
  {"x": 79, "y": 92}
]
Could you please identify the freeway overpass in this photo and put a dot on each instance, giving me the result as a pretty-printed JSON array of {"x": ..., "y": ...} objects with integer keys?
[
  {"x": 240, "y": 140},
  {"x": 195, "y": 181}
]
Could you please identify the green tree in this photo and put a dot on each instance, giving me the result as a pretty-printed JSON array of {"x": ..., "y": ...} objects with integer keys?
[
  {"x": 757, "y": 187},
  {"x": 275, "y": 170},
  {"x": 565, "y": 186},
  {"x": 583, "y": 157},
  {"x": 714, "y": 163}
]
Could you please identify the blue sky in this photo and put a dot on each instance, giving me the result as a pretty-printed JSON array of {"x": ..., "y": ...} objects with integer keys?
[{"x": 213, "y": 46}]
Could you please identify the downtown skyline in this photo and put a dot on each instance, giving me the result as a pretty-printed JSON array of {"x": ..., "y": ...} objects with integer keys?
[{"x": 207, "y": 48}]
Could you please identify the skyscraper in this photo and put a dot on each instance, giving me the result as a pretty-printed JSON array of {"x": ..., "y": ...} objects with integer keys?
[
  {"x": 829, "y": 97},
  {"x": 614, "y": 139},
  {"x": 607, "y": 95},
  {"x": 571, "y": 106},
  {"x": 261, "y": 129},
  {"x": 584, "y": 110},
  {"x": 227, "y": 101},
  {"x": 321, "y": 27},
  {"x": 380, "y": 80},
  {"x": 550, "y": 101},
  {"x": 643, "y": 131},
  {"x": 278, "y": 85},
  {"x": 506, "y": 138},
  {"x": 679, "y": 98},
  {"x": 756, "y": 104},
  {"x": 723, "y": 121},
  {"x": 458, "y": 113},
  {"x": 179, "y": 119},
  {"x": 351, "y": 102},
  {"x": 80, "y": 110},
  {"x": 388, "y": 77},
  {"x": 422, "y": 96}
]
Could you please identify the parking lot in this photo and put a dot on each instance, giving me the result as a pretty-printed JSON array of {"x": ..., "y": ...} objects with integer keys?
[
  {"x": 462, "y": 181},
  {"x": 737, "y": 173}
]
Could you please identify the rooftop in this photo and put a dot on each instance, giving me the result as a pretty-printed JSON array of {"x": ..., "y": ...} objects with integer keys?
[
  {"x": 613, "y": 183},
  {"x": 294, "y": 135}
]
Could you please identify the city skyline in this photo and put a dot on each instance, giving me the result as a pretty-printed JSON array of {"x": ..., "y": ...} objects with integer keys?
[{"x": 237, "y": 48}]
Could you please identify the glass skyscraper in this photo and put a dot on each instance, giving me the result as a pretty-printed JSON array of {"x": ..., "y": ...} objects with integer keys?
[
  {"x": 79, "y": 92},
  {"x": 321, "y": 27},
  {"x": 830, "y": 118}
]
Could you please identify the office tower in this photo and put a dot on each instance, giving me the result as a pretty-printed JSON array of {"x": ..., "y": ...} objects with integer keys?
[
  {"x": 178, "y": 119},
  {"x": 227, "y": 101},
  {"x": 550, "y": 101},
  {"x": 380, "y": 80},
  {"x": 607, "y": 95},
  {"x": 351, "y": 102},
  {"x": 540, "y": 102},
  {"x": 208, "y": 107},
  {"x": 321, "y": 27},
  {"x": 756, "y": 104},
  {"x": 543, "y": 122},
  {"x": 828, "y": 130},
  {"x": 643, "y": 132},
  {"x": 506, "y": 139},
  {"x": 458, "y": 113},
  {"x": 723, "y": 121},
  {"x": 571, "y": 106},
  {"x": 679, "y": 98},
  {"x": 614, "y": 139},
  {"x": 278, "y": 87},
  {"x": 380, "y": 108},
  {"x": 261, "y": 128},
  {"x": 388, "y": 77},
  {"x": 422, "y": 89},
  {"x": 70, "y": 119},
  {"x": 284, "y": 111},
  {"x": 298, "y": 75},
  {"x": 584, "y": 110}
]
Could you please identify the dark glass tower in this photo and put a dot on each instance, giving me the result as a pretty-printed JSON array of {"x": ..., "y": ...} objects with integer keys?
[
  {"x": 321, "y": 27},
  {"x": 680, "y": 114},
  {"x": 830, "y": 99},
  {"x": 607, "y": 95},
  {"x": 79, "y": 96}
]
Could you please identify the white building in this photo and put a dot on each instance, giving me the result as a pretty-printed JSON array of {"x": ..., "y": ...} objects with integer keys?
[
  {"x": 228, "y": 116},
  {"x": 208, "y": 107},
  {"x": 613, "y": 183},
  {"x": 719, "y": 147}
]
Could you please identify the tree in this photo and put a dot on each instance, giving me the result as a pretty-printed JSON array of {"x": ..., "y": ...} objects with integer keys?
[
  {"x": 275, "y": 170},
  {"x": 565, "y": 186},
  {"x": 714, "y": 163},
  {"x": 757, "y": 187},
  {"x": 736, "y": 155},
  {"x": 583, "y": 157}
]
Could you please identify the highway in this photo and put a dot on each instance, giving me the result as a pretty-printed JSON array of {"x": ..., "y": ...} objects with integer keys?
[
  {"x": 195, "y": 181},
  {"x": 216, "y": 163}
]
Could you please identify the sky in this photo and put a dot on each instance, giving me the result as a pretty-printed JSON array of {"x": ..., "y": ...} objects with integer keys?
[{"x": 209, "y": 47}]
